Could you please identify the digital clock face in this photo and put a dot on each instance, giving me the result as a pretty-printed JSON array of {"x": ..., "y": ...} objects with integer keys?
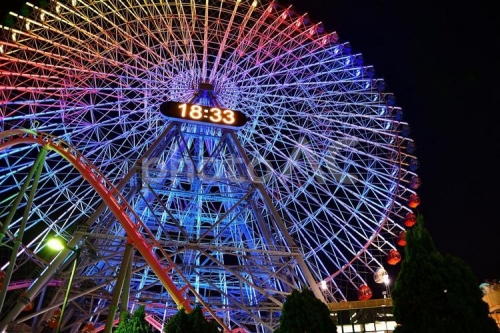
[{"x": 204, "y": 114}]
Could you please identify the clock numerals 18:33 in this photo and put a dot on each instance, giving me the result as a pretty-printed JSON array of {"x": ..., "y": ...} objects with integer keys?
[
  {"x": 195, "y": 113},
  {"x": 216, "y": 115}
]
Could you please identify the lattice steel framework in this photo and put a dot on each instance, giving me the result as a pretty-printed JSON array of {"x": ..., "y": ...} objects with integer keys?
[{"x": 311, "y": 192}]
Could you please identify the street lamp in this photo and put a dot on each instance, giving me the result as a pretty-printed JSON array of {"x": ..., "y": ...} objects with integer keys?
[
  {"x": 57, "y": 244},
  {"x": 387, "y": 281}
]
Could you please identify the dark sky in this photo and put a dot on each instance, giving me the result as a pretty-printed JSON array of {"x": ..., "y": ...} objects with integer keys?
[{"x": 442, "y": 62}]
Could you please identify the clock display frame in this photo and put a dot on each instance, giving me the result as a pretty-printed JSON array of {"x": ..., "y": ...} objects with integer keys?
[{"x": 196, "y": 113}]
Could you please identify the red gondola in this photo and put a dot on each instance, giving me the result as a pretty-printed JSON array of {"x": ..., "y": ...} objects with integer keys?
[
  {"x": 410, "y": 220},
  {"x": 402, "y": 238},
  {"x": 394, "y": 257},
  {"x": 414, "y": 201},
  {"x": 364, "y": 293}
]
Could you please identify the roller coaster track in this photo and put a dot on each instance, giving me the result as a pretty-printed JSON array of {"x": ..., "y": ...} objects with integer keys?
[{"x": 138, "y": 234}]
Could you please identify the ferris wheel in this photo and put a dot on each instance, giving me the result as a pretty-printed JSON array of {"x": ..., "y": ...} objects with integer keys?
[{"x": 253, "y": 152}]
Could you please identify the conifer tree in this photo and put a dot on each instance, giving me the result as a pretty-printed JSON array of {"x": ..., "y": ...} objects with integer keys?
[
  {"x": 303, "y": 312},
  {"x": 194, "y": 322},
  {"x": 435, "y": 293},
  {"x": 135, "y": 323}
]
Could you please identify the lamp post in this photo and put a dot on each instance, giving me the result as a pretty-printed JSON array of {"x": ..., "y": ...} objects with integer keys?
[
  {"x": 387, "y": 281},
  {"x": 56, "y": 244}
]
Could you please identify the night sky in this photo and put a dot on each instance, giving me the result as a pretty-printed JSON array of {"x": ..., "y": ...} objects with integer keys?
[{"x": 442, "y": 62}]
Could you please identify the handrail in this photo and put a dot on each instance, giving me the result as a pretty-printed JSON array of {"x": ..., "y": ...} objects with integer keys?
[{"x": 358, "y": 305}]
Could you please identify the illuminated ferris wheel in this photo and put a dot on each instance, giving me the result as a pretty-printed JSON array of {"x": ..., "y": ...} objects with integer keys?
[{"x": 244, "y": 153}]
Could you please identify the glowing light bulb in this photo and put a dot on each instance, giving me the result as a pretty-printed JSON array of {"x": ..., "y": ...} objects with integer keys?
[{"x": 323, "y": 285}]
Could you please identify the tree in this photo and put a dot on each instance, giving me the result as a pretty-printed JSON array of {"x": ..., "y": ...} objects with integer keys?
[
  {"x": 435, "y": 293},
  {"x": 194, "y": 322},
  {"x": 135, "y": 323},
  {"x": 303, "y": 312}
]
